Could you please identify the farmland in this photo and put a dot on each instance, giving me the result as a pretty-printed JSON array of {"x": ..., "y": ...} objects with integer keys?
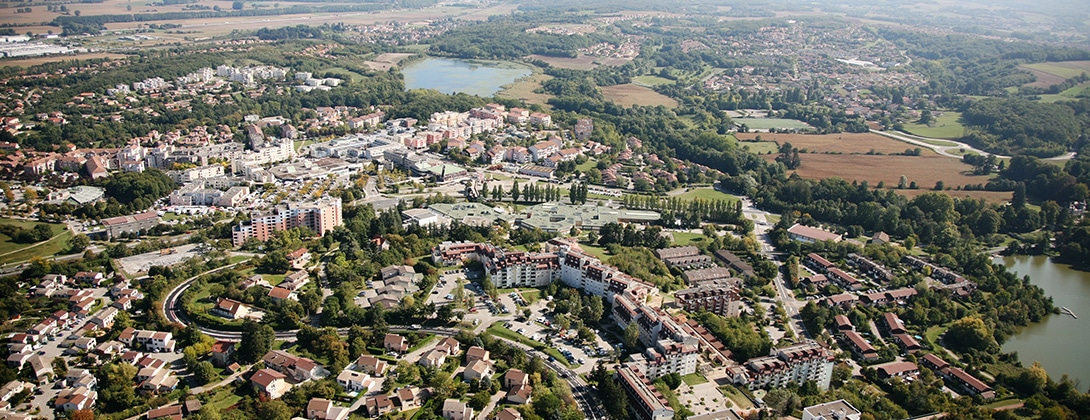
[
  {"x": 706, "y": 194},
  {"x": 1050, "y": 73},
  {"x": 924, "y": 170},
  {"x": 651, "y": 80},
  {"x": 848, "y": 143},
  {"x": 629, "y": 94},
  {"x": 384, "y": 62},
  {"x": 769, "y": 123}
]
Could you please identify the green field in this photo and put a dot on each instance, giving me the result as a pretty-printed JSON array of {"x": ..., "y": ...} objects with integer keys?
[
  {"x": 497, "y": 329},
  {"x": 760, "y": 147},
  {"x": 651, "y": 80},
  {"x": 707, "y": 193},
  {"x": 736, "y": 397},
  {"x": 12, "y": 252},
  {"x": 945, "y": 126},
  {"x": 586, "y": 166},
  {"x": 767, "y": 123},
  {"x": 694, "y": 379},
  {"x": 1052, "y": 68},
  {"x": 686, "y": 238},
  {"x": 352, "y": 76},
  {"x": 595, "y": 250},
  {"x": 1081, "y": 90}
]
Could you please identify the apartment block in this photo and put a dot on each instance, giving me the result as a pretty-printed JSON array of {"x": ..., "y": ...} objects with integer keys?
[{"x": 320, "y": 216}]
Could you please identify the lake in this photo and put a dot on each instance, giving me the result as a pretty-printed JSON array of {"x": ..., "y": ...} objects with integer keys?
[
  {"x": 1059, "y": 342},
  {"x": 452, "y": 75}
]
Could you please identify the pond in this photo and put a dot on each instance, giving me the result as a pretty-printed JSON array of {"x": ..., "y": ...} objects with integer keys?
[
  {"x": 449, "y": 75},
  {"x": 1059, "y": 342}
]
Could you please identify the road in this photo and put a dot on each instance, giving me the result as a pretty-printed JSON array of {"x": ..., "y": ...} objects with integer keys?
[
  {"x": 761, "y": 227},
  {"x": 942, "y": 150}
]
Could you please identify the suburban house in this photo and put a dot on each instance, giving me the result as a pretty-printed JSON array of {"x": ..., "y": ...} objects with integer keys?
[
  {"x": 379, "y": 405},
  {"x": 270, "y": 383},
  {"x": 477, "y": 369},
  {"x": 456, "y": 410},
  {"x": 520, "y": 394},
  {"x": 515, "y": 378},
  {"x": 323, "y": 409},
  {"x": 371, "y": 365},
  {"x": 300, "y": 369},
  {"x": 395, "y": 343},
  {"x": 230, "y": 309},
  {"x": 353, "y": 381},
  {"x": 221, "y": 353},
  {"x": 809, "y": 234}
]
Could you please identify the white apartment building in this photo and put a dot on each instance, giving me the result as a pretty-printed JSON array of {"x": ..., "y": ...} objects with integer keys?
[{"x": 798, "y": 363}]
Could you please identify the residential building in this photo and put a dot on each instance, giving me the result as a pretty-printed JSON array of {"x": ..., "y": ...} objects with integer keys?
[
  {"x": 300, "y": 369},
  {"x": 646, "y": 402},
  {"x": 736, "y": 263},
  {"x": 152, "y": 341},
  {"x": 520, "y": 394},
  {"x": 371, "y": 365},
  {"x": 395, "y": 343},
  {"x": 221, "y": 353},
  {"x": 477, "y": 369},
  {"x": 904, "y": 370},
  {"x": 379, "y": 405},
  {"x": 859, "y": 346},
  {"x": 809, "y": 234},
  {"x": 509, "y": 414},
  {"x": 73, "y": 399},
  {"x": 834, "y": 410},
  {"x": 515, "y": 378},
  {"x": 230, "y": 309},
  {"x": 321, "y": 216},
  {"x": 353, "y": 381},
  {"x": 717, "y": 296},
  {"x": 807, "y": 361},
  {"x": 323, "y": 409},
  {"x": 456, "y": 410},
  {"x": 270, "y": 383}
]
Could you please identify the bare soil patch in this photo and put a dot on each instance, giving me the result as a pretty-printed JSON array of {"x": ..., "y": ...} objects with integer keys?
[
  {"x": 386, "y": 61},
  {"x": 629, "y": 94},
  {"x": 849, "y": 143}
]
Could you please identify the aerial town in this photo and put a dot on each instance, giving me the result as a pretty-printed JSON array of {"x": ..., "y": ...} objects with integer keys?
[{"x": 248, "y": 210}]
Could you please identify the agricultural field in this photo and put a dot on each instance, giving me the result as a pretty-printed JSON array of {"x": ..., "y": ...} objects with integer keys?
[
  {"x": 1081, "y": 90},
  {"x": 770, "y": 123},
  {"x": 629, "y": 94},
  {"x": 583, "y": 62},
  {"x": 525, "y": 89},
  {"x": 945, "y": 126},
  {"x": 989, "y": 196},
  {"x": 924, "y": 170},
  {"x": 1053, "y": 72},
  {"x": 847, "y": 143},
  {"x": 34, "y": 61}
]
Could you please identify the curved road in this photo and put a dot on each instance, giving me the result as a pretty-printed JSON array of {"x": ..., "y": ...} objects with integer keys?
[
  {"x": 581, "y": 391},
  {"x": 942, "y": 150}
]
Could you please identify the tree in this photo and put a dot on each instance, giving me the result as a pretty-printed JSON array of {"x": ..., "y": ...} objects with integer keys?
[
  {"x": 237, "y": 5},
  {"x": 444, "y": 313},
  {"x": 903, "y": 183},
  {"x": 78, "y": 244},
  {"x": 84, "y": 414},
  {"x": 514, "y": 191},
  {"x": 274, "y": 410},
  {"x": 631, "y": 336},
  {"x": 257, "y": 339},
  {"x": 479, "y": 400},
  {"x": 204, "y": 372},
  {"x": 970, "y": 333}
]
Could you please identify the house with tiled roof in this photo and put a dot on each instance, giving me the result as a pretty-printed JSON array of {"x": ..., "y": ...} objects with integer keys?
[{"x": 270, "y": 383}]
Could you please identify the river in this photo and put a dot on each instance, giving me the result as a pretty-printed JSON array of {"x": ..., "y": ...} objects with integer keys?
[
  {"x": 1058, "y": 342},
  {"x": 452, "y": 75}
]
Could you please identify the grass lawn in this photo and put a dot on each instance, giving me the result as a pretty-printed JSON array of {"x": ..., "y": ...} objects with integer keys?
[
  {"x": 595, "y": 250},
  {"x": 223, "y": 398},
  {"x": 707, "y": 193},
  {"x": 652, "y": 80},
  {"x": 351, "y": 75},
  {"x": 694, "y": 379},
  {"x": 586, "y": 166},
  {"x": 767, "y": 123},
  {"x": 1063, "y": 71},
  {"x": 933, "y": 334},
  {"x": 497, "y": 329},
  {"x": 1003, "y": 403},
  {"x": 760, "y": 147},
  {"x": 237, "y": 259},
  {"x": 945, "y": 126},
  {"x": 11, "y": 251},
  {"x": 737, "y": 397},
  {"x": 686, "y": 238}
]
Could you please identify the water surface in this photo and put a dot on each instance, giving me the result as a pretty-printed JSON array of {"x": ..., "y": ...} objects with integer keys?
[
  {"x": 452, "y": 75},
  {"x": 1059, "y": 342}
]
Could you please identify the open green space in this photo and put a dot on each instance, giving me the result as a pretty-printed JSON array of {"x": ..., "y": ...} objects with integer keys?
[
  {"x": 737, "y": 397},
  {"x": 768, "y": 123},
  {"x": 707, "y": 193},
  {"x": 223, "y": 398},
  {"x": 694, "y": 379},
  {"x": 760, "y": 147},
  {"x": 351, "y": 75},
  {"x": 945, "y": 126},
  {"x": 652, "y": 80},
  {"x": 597, "y": 251},
  {"x": 686, "y": 238},
  {"x": 933, "y": 334},
  {"x": 497, "y": 329},
  {"x": 586, "y": 166},
  {"x": 1081, "y": 90},
  {"x": 1003, "y": 403},
  {"x": 1052, "y": 68},
  {"x": 11, "y": 251}
]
